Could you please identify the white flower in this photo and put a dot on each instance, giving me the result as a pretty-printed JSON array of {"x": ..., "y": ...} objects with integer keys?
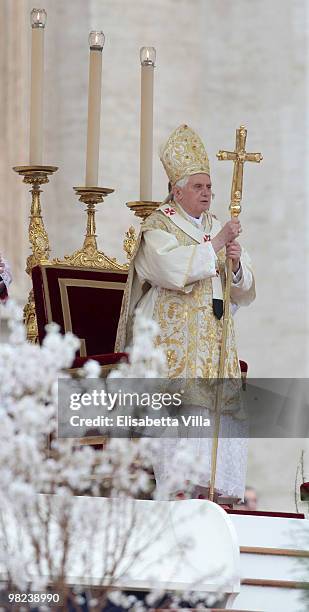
[
  {"x": 43, "y": 477},
  {"x": 91, "y": 369}
]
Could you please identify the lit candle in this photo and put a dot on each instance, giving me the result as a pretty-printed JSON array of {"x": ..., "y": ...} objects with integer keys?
[
  {"x": 96, "y": 43},
  {"x": 148, "y": 58},
  {"x": 38, "y": 20}
]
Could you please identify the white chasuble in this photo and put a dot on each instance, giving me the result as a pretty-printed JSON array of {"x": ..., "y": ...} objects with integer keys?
[{"x": 175, "y": 276}]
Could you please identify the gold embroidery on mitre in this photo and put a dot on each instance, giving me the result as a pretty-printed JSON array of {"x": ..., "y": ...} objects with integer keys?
[{"x": 184, "y": 154}]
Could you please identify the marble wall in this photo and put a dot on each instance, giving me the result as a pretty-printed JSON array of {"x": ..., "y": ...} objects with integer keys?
[{"x": 219, "y": 64}]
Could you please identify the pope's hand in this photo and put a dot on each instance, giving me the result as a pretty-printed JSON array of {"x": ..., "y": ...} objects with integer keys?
[
  {"x": 231, "y": 230},
  {"x": 233, "y": 251},
  {"x": 227, "y": 234}
]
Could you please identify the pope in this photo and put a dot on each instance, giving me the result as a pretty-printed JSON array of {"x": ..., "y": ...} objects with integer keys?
[{"x": 177, "y": 278}]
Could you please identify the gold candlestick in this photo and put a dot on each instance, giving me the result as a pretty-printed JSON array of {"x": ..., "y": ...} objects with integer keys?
[
  {"x": 38, "y": 238},
  {"x": 141, "y": 210},
  {"x": 89, "y": 255}
]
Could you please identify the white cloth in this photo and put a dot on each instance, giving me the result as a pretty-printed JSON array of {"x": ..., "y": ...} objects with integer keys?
[{"x": 172, "y": 471}]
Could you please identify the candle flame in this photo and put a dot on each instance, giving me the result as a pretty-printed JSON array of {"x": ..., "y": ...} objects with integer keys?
[
  {"x": 96, "y": 39},
  {"x": 148, "y": 55},
  {"x": 38, "y": 17}
]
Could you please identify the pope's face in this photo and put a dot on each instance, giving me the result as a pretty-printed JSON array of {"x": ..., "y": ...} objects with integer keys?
[{"x": 195, "y": 196}]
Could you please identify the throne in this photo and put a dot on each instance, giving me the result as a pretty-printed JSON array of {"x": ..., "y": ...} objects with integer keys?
[{"x": 84, "y": 301}]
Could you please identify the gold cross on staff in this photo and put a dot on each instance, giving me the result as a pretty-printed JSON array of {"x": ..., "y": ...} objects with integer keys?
[{"x": 239, "y": 157}]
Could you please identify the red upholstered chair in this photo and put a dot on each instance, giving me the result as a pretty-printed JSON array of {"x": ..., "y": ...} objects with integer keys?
[{"x": 85, "y": 301}]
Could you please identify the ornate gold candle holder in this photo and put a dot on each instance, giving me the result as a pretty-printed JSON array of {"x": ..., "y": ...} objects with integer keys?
[
  {"x": 89, "y": 255},
  {"x": 38, "y": 238},
  {"x": 142, "y": 210}
]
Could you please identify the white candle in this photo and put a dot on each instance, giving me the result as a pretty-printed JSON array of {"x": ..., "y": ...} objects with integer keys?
[
  {"x": 148, "y": 57},
  {"x": 38, "y": 20},
  {"x": 96, "y": 42}
]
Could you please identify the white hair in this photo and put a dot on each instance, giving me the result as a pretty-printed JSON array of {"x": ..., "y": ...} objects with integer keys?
[{"x": 182, "y": 182}]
